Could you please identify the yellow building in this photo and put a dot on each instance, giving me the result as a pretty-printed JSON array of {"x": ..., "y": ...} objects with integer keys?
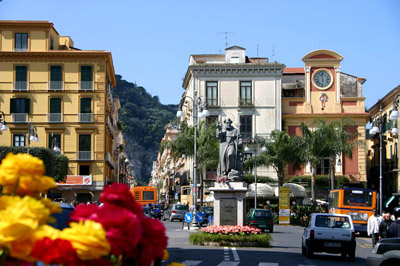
[
  {"x": 381, "y": 111},
  {"x": 63, "y": 94},
  {"x": 321, "y": 91}
]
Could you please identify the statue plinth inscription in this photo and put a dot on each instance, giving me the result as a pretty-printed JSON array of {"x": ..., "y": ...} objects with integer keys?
[{"x": 229, "y": 209}]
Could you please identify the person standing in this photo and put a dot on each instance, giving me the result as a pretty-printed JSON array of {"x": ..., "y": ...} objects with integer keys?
[
  {"x": 373, "y": 227},
  {"x": 394, "y": 228},
  {"x": 384, "y": 226}
]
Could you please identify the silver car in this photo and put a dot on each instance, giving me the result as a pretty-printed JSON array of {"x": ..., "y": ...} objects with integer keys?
[
  {"x": 385, "y": 252},
  {"x": 175, "y": 212}
]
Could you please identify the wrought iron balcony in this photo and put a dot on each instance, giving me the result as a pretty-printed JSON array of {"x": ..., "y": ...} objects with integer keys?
[
  {"x": 84, "y": 155},
  {"x": 55, "y": 118},
  {"x": 85, "y": 117},
  {"x": 19, "y": 117}
]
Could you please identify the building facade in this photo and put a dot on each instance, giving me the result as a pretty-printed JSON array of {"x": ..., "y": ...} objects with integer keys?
[
  {"x": 319, "y": 90},
  {"x": 66, "y": 95},
  {"x": 390, "y": 146}
]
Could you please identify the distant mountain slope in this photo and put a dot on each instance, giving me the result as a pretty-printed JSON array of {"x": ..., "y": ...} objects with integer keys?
[{"x": 143, "y": 118}]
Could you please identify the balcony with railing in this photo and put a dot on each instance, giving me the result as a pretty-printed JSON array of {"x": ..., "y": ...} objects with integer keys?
[
  {"x": 86, "y": 86},
  {"x": 245, "y": 102},
  {"x": 20, "y": 86},
  {"x": 85, "y": 117},
  {"x": 19, "y": 117},
  {"x": 109, "y": 160},
  {"x": 20, "y": 49},
  {"x": 84, "y": 155},
  {"x": 55, "y": 85},
  {"x": 55, "y": 118}
]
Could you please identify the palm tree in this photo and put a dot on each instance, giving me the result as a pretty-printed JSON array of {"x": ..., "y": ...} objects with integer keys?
[
  {"x": 207, "y": 146},
  {"x": 280, "y": 151},
  {"x": 325, "y": 140}
]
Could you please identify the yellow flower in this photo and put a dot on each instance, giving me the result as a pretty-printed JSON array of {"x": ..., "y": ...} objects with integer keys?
[
  {"x": 6, "y": 201},
  {"x": 21, "y": 248},
  {"x": 88, "y": 239},
  {"x": 26, "y": 172},
  {"x": 52, "y": 206},
  {"x": 165, "y": 255}
]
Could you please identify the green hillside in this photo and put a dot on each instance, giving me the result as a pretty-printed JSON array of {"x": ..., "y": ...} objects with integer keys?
[{"x": 143, "y": 119}]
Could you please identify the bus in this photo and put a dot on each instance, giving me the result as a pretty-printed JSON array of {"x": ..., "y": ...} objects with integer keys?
[
  {"x": 144, "y": 195},
  {"x": 356, "y": 202}
]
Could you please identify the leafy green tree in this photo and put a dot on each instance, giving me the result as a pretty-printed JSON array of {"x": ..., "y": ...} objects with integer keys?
[
  {"x": 280, "y": 150},
  {"x": 325, "y": 140}
]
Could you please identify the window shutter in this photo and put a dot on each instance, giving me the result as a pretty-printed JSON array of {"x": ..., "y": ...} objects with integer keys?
[
  {"x": 86, "y": 105},
  {"x": 27, "y": 105},
  {"x": 21, "y": 73},
  {"x": 12, "y": 106},
  {"x": 55, "y": 105},
  {"x": 56, "y": 73},
  {"x": 86, "y": 73}
]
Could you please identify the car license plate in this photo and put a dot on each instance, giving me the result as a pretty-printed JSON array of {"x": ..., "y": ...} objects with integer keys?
[
  {"x": 262, "y": 226},
  {"x": 334, "y": 245}
]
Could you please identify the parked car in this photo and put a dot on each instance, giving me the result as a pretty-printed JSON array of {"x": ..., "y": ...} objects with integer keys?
[
  {"x": 386, "y": 253},
  {"x": 175, "y": 212},
  {"x": 330, "y": 233},
  {"x": 208, "y": 211},
  {"x": 260, "y": 218},
  {"x": 62, "y": 217}
]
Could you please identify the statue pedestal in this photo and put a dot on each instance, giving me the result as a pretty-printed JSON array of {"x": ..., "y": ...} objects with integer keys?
[{"x": 229, "y": 199}]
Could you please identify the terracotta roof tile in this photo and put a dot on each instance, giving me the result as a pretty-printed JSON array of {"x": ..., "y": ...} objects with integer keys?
[{"x": 299, "y": 70}]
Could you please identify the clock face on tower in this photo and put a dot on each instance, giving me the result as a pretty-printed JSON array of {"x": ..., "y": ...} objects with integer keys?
[{"x": 322, "y": 79}]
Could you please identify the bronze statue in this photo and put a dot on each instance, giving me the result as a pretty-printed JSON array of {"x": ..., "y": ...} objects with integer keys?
[{"x": 230, "y": 159}]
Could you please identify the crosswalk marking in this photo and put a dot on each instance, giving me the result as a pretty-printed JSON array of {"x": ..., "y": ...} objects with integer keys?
[
  {"x": 268, "y": 264},
  {"x": 229, "y": 263},
  {"x": 192, "y": 262},
  {"x": 235, "y": 254},
  {"x": 226, "y": 253}
]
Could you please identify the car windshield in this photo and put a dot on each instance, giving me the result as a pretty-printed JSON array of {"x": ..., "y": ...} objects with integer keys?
[
  {"x": 262, "y": 214},
  {"x": 156, "y": 206},
  {"x": 332, "y": 221},
  {"x": 181, "y": 207}
]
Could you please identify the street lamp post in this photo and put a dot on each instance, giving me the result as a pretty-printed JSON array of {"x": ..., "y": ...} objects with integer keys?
[
  {"x": 3, "y": 124},
  {"x": 198, "y": 104},
  {"x": 32, "y": 135},
  {"x": 246, "y": 149},
  {"x": 54, "y": 144}
]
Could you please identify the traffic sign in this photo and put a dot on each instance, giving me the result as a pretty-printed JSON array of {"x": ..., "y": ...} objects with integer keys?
[
  {"x": 188, "y": 217},
  {"x": 200, "y": 217}
]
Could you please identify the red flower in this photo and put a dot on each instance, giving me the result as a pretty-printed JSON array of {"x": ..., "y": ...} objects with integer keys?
[
  {"x": 153, "y": 238},
  {"x": 120, "y": 195},
  {"x": 84, "y": 212},
  {"x": 123, "y": 229},
  {"x": 58, "y": 251}
]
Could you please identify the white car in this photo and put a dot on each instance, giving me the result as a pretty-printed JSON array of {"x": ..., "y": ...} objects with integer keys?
[{"x": 330, "y": 233}]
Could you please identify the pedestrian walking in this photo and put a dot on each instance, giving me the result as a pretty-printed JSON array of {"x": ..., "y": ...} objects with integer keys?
[
  {"x": 394, "y": 228},
  {"x": 384, "y": 225},
  {"x": 373, "y": 227}
]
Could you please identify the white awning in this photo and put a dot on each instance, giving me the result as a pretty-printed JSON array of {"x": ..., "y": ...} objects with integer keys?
[
  {"x": 263, "y": 190},
  {"x": 296, "y": 190}
]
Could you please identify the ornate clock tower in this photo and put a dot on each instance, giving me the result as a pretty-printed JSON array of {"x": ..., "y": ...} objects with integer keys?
[{"x": 322, "y": 82}]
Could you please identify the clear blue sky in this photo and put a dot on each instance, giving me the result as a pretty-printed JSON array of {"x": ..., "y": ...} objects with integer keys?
[{"x": 151, "y": 40}]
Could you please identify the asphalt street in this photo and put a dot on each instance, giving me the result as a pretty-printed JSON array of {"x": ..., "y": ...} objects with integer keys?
[{"x": 285, "y": 250}]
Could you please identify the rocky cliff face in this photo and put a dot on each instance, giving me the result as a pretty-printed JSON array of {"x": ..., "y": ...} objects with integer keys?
[{"x": 143, "y": 119}]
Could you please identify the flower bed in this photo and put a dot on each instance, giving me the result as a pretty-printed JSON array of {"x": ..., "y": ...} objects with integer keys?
[
  {"x": 242, "y": 236},
  {"x": 116, "y": 233}
]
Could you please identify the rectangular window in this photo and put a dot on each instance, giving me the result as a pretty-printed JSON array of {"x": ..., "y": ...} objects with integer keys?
[
  {"x": 54, "y": 140},
  {"x": 86, "y": 105},
  {"x": 56, "y": 77},
  {"x": 247, "y": 156},
  {"x": 21, "y": 42},
  {"x": 20, "y": 105},
  {"x": 245, "y": 93},
  {"x": 85, "y": 142},
  {"x": 212, "y": 119},
  {"x": 84, "y": 169},
  {"x": 86, "y": 78},
  {"x": 19, "y": 140},
  {"x": 212, "y": 93},
  {"x": 323, "y": 167},
  {"x": 21, "y": 78},
  {"x": 55, "y": 105},
  {"x": 51, "y": 43},
  {"x": 246, "y": 126}
]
